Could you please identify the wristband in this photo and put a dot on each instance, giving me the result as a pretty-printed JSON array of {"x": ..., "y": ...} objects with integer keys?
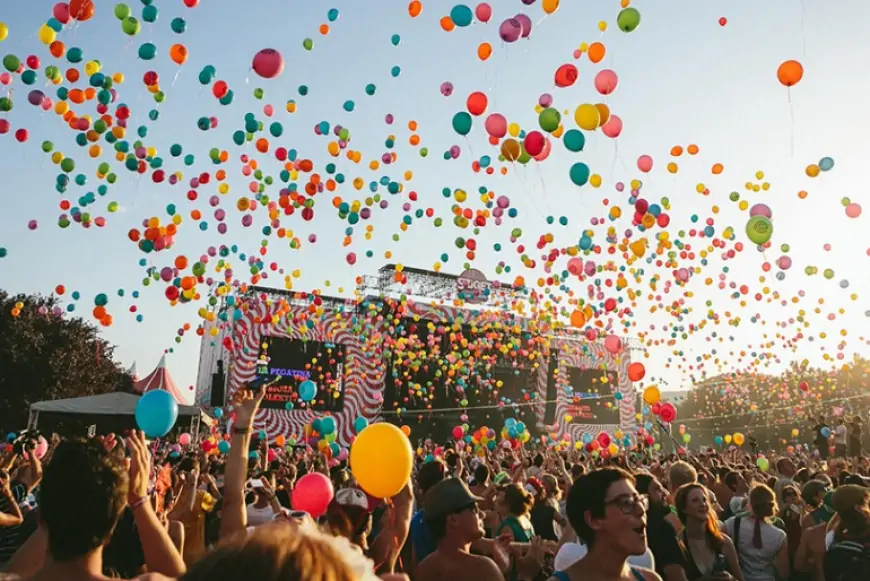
[
  {"x": 139, "y": 503},
  {"x": 242, "y": 431}
]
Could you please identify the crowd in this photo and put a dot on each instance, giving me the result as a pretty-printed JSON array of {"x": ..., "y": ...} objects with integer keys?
[{"x": 113, "y": 507}]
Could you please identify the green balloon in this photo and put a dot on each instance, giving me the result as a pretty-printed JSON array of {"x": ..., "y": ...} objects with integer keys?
[
  {"x": 5, "y": 104},
  {"x": 11, "y": 62},
  {"x": 68, "y": 165},
  {"x": 759, "y": 229},
  {"x": 131, "y": 26},
  {"x": 628, "y": 19},
  {"x": 462, "y": 123},
  {"x": 122, "y": 11},
  {"x": 524, "y": 157},
  {"x": 147, "y": 51},
  {"x": 574, "y": 140},
  {"x": 579, "y": 173},
  {"x": 307, "y": 44},
  {"x": 47, "y": 146},
  {"x": 549, "y": 119}
]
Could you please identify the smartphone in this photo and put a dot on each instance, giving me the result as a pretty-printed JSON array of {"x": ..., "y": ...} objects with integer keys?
[{"x": 256, "y": 483}]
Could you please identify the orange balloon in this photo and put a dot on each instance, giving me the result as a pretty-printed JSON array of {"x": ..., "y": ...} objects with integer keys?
[
  {"x": 510, "y": 149},
  {"x": 57, "y": 49},
  {"x": 178, "y": 54},
  {"x": 99, "y": 312},
  {"x": 415, "y": 8},
  {"x": 693, "y": 149},
  {"x": 603, "y": 113},
  {"x": 596, "y": 52},
  {"x": 484, "y": 51},
  {"x": 447, "y": 24},
  {"x": 578, "y": 319},
  {"x": 717, "y": 168},
  {"x": 677, "y": 150},
  {"x": 81, "y": 10},
  {"x": 477, "y": 103},
  {"x": 790, "y": 73}
]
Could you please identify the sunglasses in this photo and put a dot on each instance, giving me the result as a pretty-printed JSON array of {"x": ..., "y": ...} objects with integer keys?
[{"x": 628, "y": 504}]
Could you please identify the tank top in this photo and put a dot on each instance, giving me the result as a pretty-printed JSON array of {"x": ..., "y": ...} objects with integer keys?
[{"x": 563, "y": 576}]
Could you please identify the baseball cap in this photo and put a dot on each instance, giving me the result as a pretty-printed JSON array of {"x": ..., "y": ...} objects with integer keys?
[
  {"x": 848, "y": 496},
  {"x": 447, "y": 497},
  {"x": 352, "y": 497},
  {"x": 812, "y": 488}
]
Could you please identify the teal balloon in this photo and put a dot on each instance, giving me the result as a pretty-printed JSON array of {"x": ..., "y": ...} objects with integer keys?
[
  {"x": 370, "y": 89},
  {"x": 156, "y": 413},
  {"x": 579, "y": 173},
  {"x": 307, "y": 390},
  {"x": 227, "y": 99},
  {"x": 549, "y": 119},
  {"x": 75, "y": 55},
  {"x": 360, "y": 424},
  {"x": 147, "y": 51},
  {"x": 628, "y": 19},
  {"x": 349, "y": 106},
  {"x": 462, "y": 123},
  {"x": 461, "y": 15},
  {"x": 759, "y": 229},
  {"x": 178, "y": 25},
  {"x": 395, "y": 39},
  {"x": 826, "y": 164},
  {"x": 223, "y": 446},
  {"x": 175, "y": 150},
  {"x": 131, "y": 26},
  {"x": 332, "y": 15},
  {"x": 28, "y": 77},
  {"x": 149, "y": 13},
  {"x": 574, "y": 140},
  {"x": 122, "y": 11},
  {"x": 276, "y": 129}
]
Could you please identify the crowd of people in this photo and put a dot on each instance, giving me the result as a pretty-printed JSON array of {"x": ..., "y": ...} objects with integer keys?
[{"x": 113, "y": 507}]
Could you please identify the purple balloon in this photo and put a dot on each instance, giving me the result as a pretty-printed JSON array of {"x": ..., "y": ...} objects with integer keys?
[
  {"x": 446, "y": 88},
  {"x": 545, "y": 100},
  {"x": 36, "y": 97},
  {"x": 389, "y": 118},
  {"x": 365, "y": 213},
  {"x": 455, "y": 151},
  {"x": 222, "y": 228},
  {"x": 525, "y": 23},
  {"x": 510, "y": 30},
  {"x": 503, "y": 202}
]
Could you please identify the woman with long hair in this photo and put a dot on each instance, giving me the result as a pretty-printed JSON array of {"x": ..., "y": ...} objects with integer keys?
[
  {"x": 709, "y": 554},
  {"x": 762, "y": 547}
]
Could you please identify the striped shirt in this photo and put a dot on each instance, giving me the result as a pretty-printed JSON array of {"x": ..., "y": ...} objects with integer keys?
[{"x": 10, "y": 537}]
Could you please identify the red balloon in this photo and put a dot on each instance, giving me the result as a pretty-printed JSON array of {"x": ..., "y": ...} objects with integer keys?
[
  {"x": 150, "y": 78},
  {"x": 668, "y": 413},
  {"x": 220, "y": 89},
  {"x": 4, "y": 126},
  {"x": 636, "y": 371},
  {"x": 477, "y": 103},
  {"x": 313, "y": 493},
  {"x": 191, "y": 3},
  {"x": 566, "y": 75},
  {"x": 21, "y": 135},
  {"x": 534, "y": 143},
  {"x": 81, "y": 10},
  {"x": 61, "y": 12},
  {"x": 268, "y": 63},
  {"x": 33, "y": 61}
]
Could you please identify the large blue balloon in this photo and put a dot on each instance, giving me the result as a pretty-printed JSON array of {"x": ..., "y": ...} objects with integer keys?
[
  {"x": 156, "y": 413},
  {"x": 307, "y": 390}
]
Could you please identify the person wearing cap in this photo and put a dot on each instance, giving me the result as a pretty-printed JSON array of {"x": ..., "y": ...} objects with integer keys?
[
  {"x": 815, "y": 493},
  {"x": 348, "y": 516},
  {"x": 454, "y": 519}
]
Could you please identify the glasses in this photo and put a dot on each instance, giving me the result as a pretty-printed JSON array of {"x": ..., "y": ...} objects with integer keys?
[{"x": 628, "y": 504}]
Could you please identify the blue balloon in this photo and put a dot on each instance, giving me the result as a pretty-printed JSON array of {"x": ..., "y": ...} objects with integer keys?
[
  {"x": 461, "y": 15},
  {"x": 510, "y": 422},
  {"x": 218, "y": 413},
  {"x": 826, "y": 164},
  {"x": 826, "y": 432},
  {"x": 360, "y": 424},
  {"x": 223, "y": 446},
  {"x": 307, "y": 390},
  {"x": 521, "y": 427},
  {"x": 327, "y": 425},
  {"x": 156, "y": 413},
  {"x": 587, "y": 438},
  {"x": 317, "y": 425}
]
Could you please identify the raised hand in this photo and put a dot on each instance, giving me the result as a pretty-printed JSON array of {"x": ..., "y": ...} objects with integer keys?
[
  {"x": 140, "y": 467},
  {"x": 246, "y": 403}
]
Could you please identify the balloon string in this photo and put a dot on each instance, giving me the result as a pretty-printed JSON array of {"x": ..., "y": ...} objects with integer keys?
[
  {"x": 803, "y": 31},
  {"x": 791, "y": 115}
]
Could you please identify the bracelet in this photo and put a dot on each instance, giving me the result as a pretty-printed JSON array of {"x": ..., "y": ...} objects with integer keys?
[
  {"x": 242, "y": 431},
  {"x": 139, "y": 503}
]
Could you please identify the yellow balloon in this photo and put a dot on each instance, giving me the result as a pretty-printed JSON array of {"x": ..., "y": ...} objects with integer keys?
[
  {"x": 728, "y": 438},
  {"x": 550, "y": 6},
  {"x": 587, "y": 117},
  {"x": 46, "y": 34},
  {"x": 381, "y": 460},
  {"x": 739, "y": 439},
  {"x": 602, "y": 26},
  {"x": 92, "y": 68},
  {"x": 4, "y": 31},
  {"x": 595, "y": 180},
  {"x": 652, "y": 395},
  {"x": 514, "y": 129}
]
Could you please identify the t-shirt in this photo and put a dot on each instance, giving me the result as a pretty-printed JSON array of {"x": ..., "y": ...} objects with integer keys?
[
  {"x": 421, "y": 537},
  {"x": 840, "y": 434},
  {"x": 757, "y": 564},
  {"x": 10, "y": 537},
  {"x": 259, "y": 516},
  {"x": 662, "y": 540},
  {"x": 194, "y": 527}
]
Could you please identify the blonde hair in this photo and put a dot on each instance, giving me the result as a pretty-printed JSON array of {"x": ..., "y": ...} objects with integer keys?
[
  {"x": 681, "y": 473},
  {"x": 284, "y": 552}
]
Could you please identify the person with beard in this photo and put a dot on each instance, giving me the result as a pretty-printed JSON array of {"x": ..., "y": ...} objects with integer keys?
[{"x": 661, "y": 537}]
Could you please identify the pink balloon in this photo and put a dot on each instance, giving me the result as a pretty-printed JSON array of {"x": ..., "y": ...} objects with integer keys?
[
  {"x": 483, "y": 12},
  {"x": 61, "y": 12},
  {"x": 668, "y": 413},
  {"x": 545, "y": 153},
  {"x": 510, "y": 30},
  {"x": 446, "y": 88},
  {"x": 853, "y": 210},
  {"x": 784, "y": 262},
  {"x": 613, "y": 344},
  {"x": 644, "y": 163},
  {"x": 313, "y": 493},
  {"x": 41, "y": 448},
  {"x": 184, "y": 439},
  {"x": 760, "y": 210},
  {"x": 525, "y": 23},
  {"x": 496, "y": 125},
  {"x": 613, "y": 127},
  {"x": 268, "y": 110},
  {"x": 575, "y": 266},
  {"x": 268, "y": 63},
  {"x": 606, "y": 81}
]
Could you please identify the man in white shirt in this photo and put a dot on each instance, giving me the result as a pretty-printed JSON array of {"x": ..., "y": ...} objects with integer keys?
[{"x": 840, "y": 438}]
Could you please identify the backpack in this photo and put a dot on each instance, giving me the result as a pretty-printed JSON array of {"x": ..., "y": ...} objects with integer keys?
[{"x": 847, "y": 561}]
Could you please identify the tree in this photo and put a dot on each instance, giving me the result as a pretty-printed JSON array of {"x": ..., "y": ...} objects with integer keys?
[{"x": 45, "y": 355}]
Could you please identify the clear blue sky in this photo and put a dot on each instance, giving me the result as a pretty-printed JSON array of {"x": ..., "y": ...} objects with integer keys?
[{"x": 683, "y": 79}]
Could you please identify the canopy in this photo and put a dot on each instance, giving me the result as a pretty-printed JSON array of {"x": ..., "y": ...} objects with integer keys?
[
  {"x": 107, "y": 404},
  {"x": 160, "y": 379}
]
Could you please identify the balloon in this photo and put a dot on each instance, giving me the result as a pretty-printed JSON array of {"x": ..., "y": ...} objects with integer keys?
[
  {"x": 596, "y": 52},
  {"x": 41, "y": 447},
  {"x": 652, "y": 395},
  {"x": 307, "y": 390},
  {"x": 613, "y": 127},
  {"x": 483, "y": 12},
  {"x": 628, "y": 19},
  {"x": 147, "y": 51},
  {"x": 510, "y": 30},
  {"x": 327, "y": 425},
  {"x": 826, "y": 164},
  {"x": 381, "y": 460},
  {"x": 477, "y": 103},
  {"x": 566, "y": 75},
  {"x": 312, "y": 494},
  {"x": 549, "y": 119},
  {"x": 360, "y": 424},
  {"x": 178, "y": 54},
  {"x": 760, "y": 210},
  {"x": 574, "y": 140},
  {"x": 606, "y": 81},
  {"x": 81, "y": 10},
  {"x": 462, "y": 123},
  {"x": 550, "y": 6},
  {"x": 184, "y": 439},
  {"x": 268, "y": 63},
  {"x": 525, "y": 24},
  {"x": 534, "y": 143},
  {"x": 496, "y": 125},
  {"x": 587, "y": 117},
  {"x": 853, "y": 210},
  {"x": 613, "y": 344},
  {"x": 636, "y": 371},
  {"x": 739, "y": 439},
  {"x": 122, "y": 11},
  {"x": 579, "y": 173},
  {"x": 668, "y": 413},
  {"x": 759, "y": 229},
  {"x": 644, "y": 163},
  {"x": 511, "y": 149},
  {"x": 762, "y": 463},
  {"x": 457, "y": 433},
  {"x": 156, "y": 413},
  {"x": 461, "y": 15},
  {"x": 790, "y": 73}
]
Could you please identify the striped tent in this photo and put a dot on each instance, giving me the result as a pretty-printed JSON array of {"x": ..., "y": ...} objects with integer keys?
[{"x": 160, "y": 379}]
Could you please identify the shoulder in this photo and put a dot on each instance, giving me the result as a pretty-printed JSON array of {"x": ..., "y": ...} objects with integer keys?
[
  {"x": 647, "y": 574},
  {"x": 153, "y": 577}
]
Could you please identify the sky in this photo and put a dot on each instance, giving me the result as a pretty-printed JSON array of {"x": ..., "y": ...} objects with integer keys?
[{"x": 683, "y": 79}]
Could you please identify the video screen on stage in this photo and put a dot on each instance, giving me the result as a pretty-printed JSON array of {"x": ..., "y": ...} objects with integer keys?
[
  {"x": 593, "y": 391},
  {"x": 284, "y": 364}
]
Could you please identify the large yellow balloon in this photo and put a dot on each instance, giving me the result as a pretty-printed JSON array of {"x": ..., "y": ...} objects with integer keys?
[
  {"x": 587, "y": 117},
  {"x": 652, "y": 395},
  {"x": 381, "y": 459},
  {"x": 4, "y": 31}
]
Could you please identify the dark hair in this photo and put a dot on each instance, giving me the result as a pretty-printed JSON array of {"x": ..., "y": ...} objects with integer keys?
[
  {"x": 517, "y": 499},
  {"x": 713, "y": 535},
  {"x": 588, "y": 494},
  {"x": 538, "y": 460},
  {"x": 430, "y": 474},
  {"x": 731, "y": 479},
  {"x": 189, "y": 463},
  {"x": 643, "y": 481},
  {"x": 763, "y": 503},
  {"x": 481, "y": 474},
  {"x": 84, "y": 491}
]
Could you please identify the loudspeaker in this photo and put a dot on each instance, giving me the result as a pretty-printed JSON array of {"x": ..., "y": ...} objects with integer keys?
[
  {"x": 218, "y": 386},
  {"x": 550, "y": 408}
]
